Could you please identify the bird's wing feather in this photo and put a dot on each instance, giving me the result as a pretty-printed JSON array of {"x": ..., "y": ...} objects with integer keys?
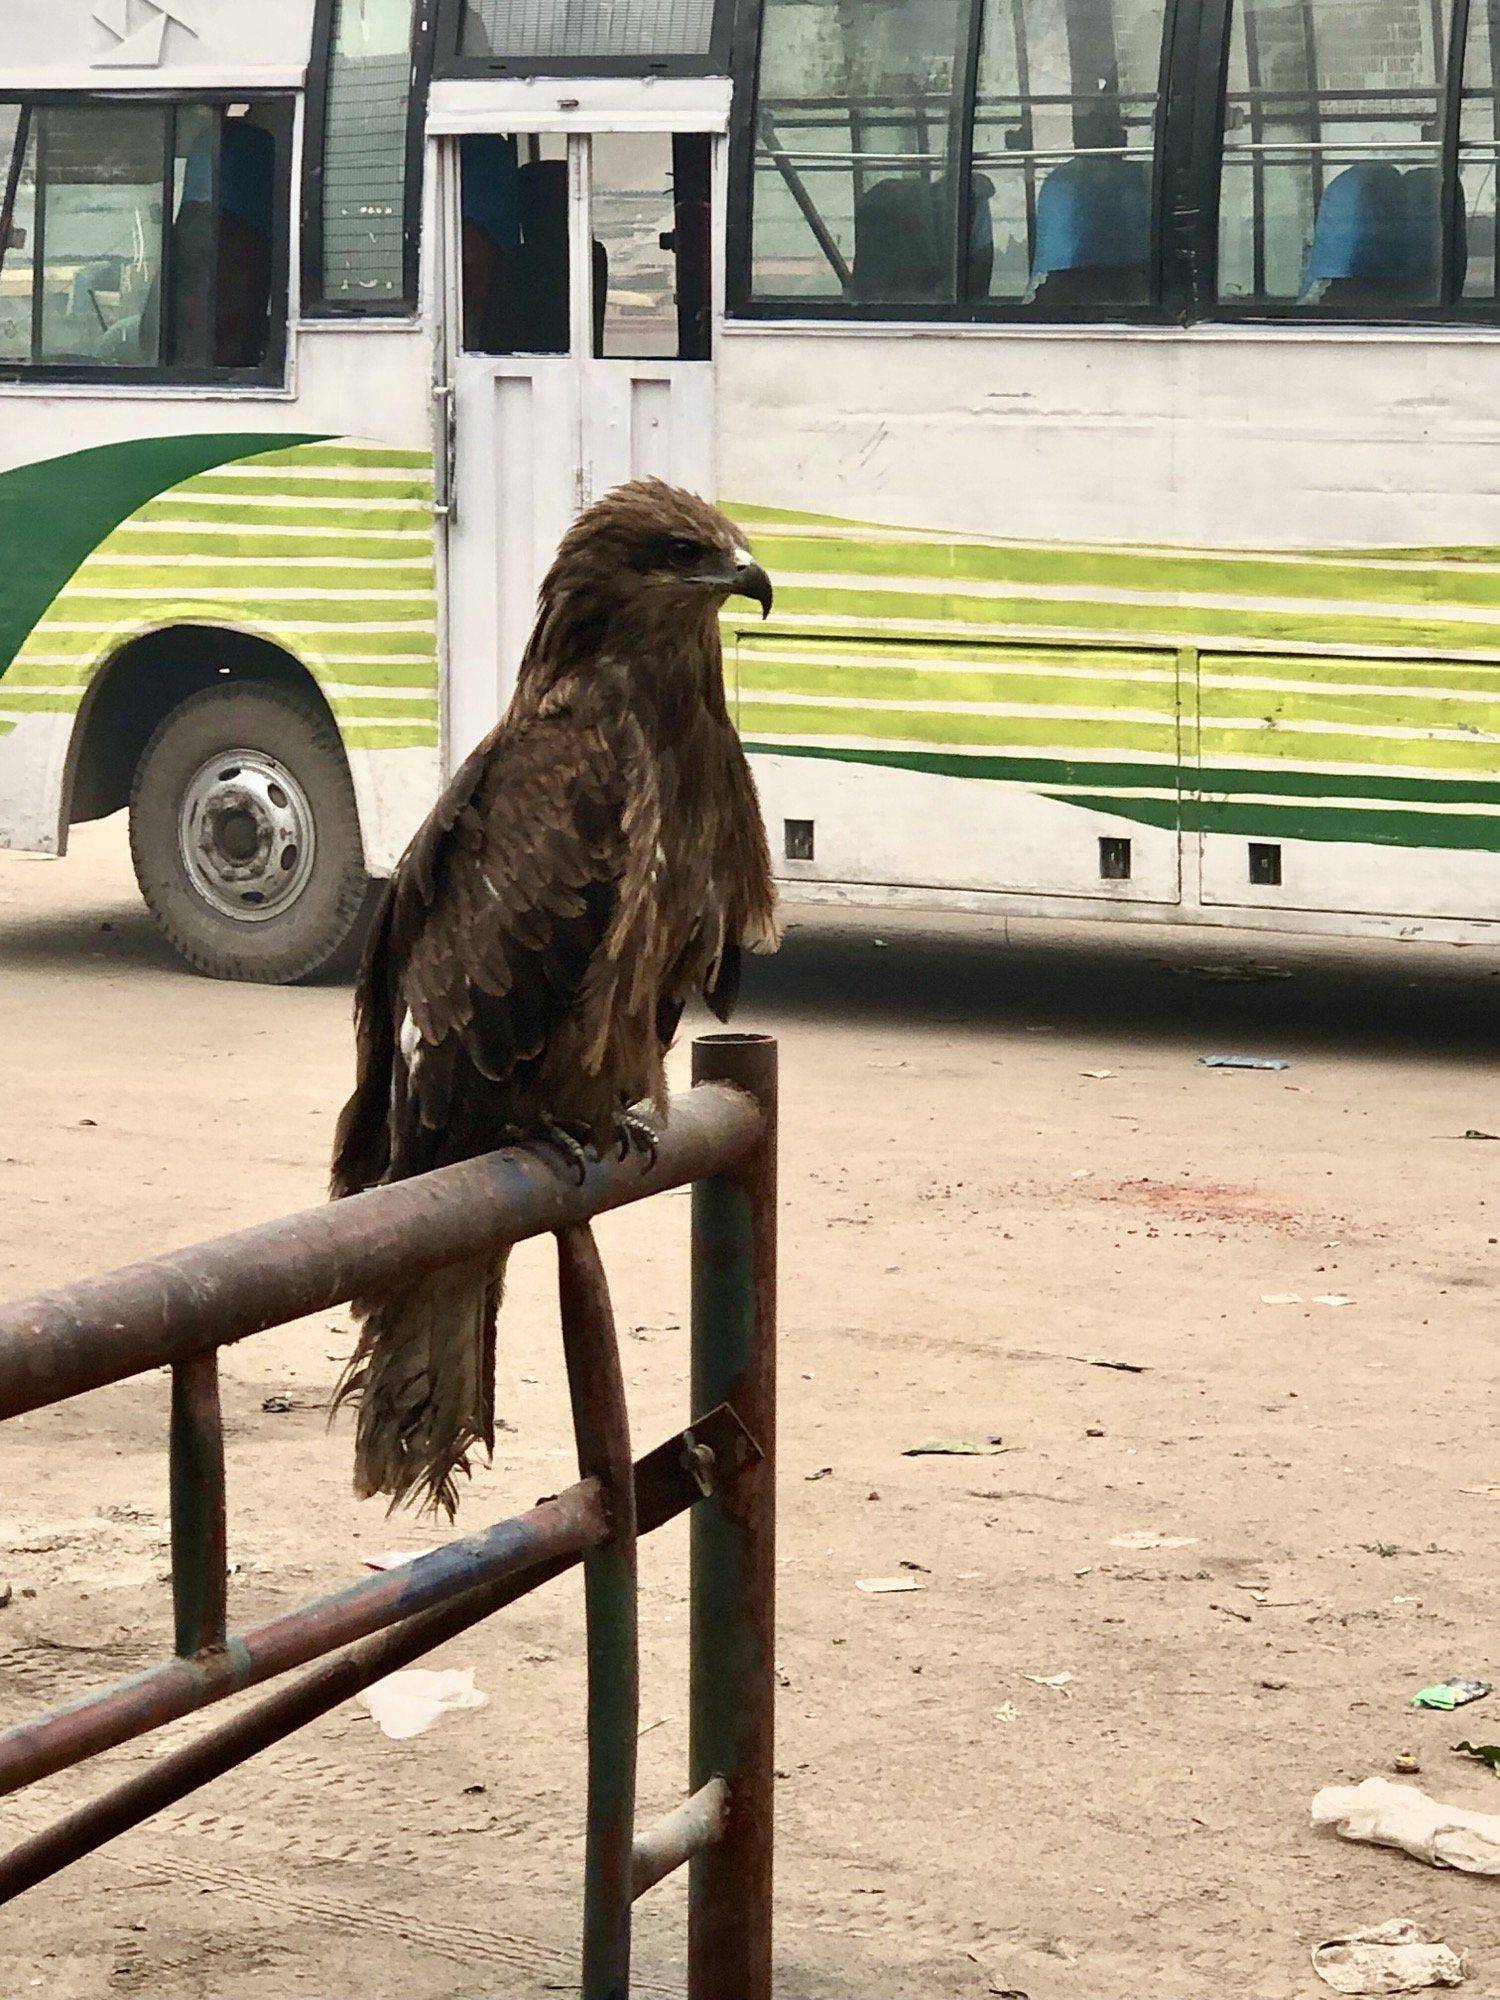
[{"x": 519, "y": 889}]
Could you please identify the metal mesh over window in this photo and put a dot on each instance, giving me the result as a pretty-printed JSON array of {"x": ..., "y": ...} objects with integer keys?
[
  {"x": 364, "y": 184},
  {"x": 581, "y": 30}
]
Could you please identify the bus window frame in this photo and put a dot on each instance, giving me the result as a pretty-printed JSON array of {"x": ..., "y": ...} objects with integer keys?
[
  {"x": 1449, "y": 310},
  {"x": 272, "y": 373},
  {"x": 450, "y": 63},
  {"x": 1188, "y": 139},
  {"x": 1167, "y": 282},
  {"x": 314, "y": 303}
]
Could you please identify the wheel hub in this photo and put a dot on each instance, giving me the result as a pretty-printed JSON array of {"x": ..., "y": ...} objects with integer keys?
[{"x": 247, "y": 835}]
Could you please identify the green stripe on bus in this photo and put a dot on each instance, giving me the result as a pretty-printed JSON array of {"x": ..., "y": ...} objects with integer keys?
[
  {"x": 21, "y": 703},
  {"x": 418, "y": 708},
  {"x": 764, "y": 679},
  {"x": 413, "y": 736},
  {"x": 1157, "y": 570},
  {"x": 217, "y": 572},
  {"x": 368, "y": 544},
  {"x": 87, "y": 606},
  {"x": 1046, "y": 772},
  {"x": 56, "y": 512},
  {"x": 399, "y": 486},
  {"x": 347, "y": 452},
  {"x": 170, "y": 510},
  {"x": 1379, "y": 829},
  {"x": 1059, "y": 732},
  {"x": 1163, "y": 622}
]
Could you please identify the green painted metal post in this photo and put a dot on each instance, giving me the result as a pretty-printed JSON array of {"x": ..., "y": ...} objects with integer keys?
[
  {"x": 200, "y": 1565},
  {"x": 733, "y": 1638}
]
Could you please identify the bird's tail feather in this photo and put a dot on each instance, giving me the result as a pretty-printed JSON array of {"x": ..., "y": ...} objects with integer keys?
[{"x": 423, "y": 1378}]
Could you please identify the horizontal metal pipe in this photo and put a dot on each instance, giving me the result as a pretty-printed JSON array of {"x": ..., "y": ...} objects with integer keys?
[
  {"x": 562, "y": 1527},
  {"x": 685, "y": 1831},
  {"x": 61, "y": 1343},
  {"x": 665, "y": 1486}
]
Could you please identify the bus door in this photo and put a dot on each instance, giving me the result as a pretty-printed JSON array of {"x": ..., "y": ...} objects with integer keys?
[{"x": 580, "y": 288}]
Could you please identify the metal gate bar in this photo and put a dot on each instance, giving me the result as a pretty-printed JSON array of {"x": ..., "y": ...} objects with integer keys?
[{"x": 178, "y": 1310}]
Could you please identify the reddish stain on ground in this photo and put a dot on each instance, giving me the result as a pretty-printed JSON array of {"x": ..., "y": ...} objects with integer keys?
[{"x": 1203, "y": 1201}]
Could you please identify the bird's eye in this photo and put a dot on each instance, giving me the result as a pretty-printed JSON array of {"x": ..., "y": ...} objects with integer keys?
[{"x": 681, "y": 550}]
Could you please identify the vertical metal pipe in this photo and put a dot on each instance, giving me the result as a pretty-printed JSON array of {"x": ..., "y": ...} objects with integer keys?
[
  {"x": 601, "y": 1423},
  {"x": 734, "y": 1545},
  {"x": 200, "y": 1567}
]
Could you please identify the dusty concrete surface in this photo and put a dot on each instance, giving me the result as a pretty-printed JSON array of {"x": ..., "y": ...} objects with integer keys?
[{"x": 971, "y": 1221}]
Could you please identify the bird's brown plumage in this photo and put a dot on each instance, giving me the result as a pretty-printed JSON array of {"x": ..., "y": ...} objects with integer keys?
[{"x": 596, "y": 861}]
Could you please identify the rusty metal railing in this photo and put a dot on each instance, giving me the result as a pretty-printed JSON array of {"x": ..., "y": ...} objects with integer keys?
[{"x": 180, "y": 1309}]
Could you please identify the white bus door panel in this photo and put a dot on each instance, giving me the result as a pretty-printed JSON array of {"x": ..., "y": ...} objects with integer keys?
[
  {"x": 516, "y": 488},
  {"x": 538, "y": 436},
  {"x": 648, "y": 420}
]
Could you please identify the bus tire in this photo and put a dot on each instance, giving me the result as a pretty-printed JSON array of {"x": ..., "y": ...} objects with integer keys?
[{"x": 245, "y": 835}]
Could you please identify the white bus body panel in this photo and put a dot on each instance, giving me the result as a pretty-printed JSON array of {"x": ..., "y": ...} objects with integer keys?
[{"x": 1271, "y": 557}]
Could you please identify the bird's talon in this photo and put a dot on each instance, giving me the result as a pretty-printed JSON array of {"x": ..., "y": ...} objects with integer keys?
[
  {"x": 572, "y": 1152},
  {"x": 638, "y": 1134}
]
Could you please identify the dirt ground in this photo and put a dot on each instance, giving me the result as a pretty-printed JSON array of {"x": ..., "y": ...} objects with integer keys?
[{"x": 1003, "y": 1165}]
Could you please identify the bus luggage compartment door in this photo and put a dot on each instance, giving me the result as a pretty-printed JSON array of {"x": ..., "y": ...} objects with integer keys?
[
  {"x": 1051, "y": 770},
  {"x": 1366, "y": 785}
]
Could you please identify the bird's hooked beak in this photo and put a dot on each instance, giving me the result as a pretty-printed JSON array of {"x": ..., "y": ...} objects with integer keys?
[{"x": 740, "y": 575}]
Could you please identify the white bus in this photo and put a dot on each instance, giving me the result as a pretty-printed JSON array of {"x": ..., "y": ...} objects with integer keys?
[{"x": 1112, "y": 388}]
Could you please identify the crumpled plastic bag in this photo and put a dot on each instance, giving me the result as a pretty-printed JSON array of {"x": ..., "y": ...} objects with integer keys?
[
  {"x": 405, "y": 1704},
  {"x": 1386, "y": 1958},
  {"x": 1390, "y": 1815}
]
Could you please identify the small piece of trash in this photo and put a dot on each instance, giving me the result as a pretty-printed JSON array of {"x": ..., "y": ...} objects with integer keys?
[
  {"x": 1395, "y": 1957},
  {"x": 1081, "y": 1174},
  {"x": 1482, "y": 1753},
  {"x": 1148, "y": 1538},
  {"x": 406, "y": 1703},
  {"x": 1232, "y": 1611},
  {"x": 883, "y": 1586},
  {"x": 1124, "y": 1367},
  {"x": 1451, "y": 1693},
  {"x": 1281, "y": 1298},
  {"x": 392, "y": 1558},
  {"x": 1006, "y": 1712},
  {"x": 1474, "y": 1133},
  {"x": 276, "y": 1406},
  {"x": 1244, "y": 1062},
  {"x": 987, "y": 1447},
  {"x": 1058, "y": 1681},
  {"x": 1488, "y": 1489},
  {"x": 1098, "y": 1075},
  {"x": 1384, "y": 1814},
  {"x": 823, "y": 1472},
  {"x": 88, "y": 1121},
  {"x": 1332, "y": 1299}
]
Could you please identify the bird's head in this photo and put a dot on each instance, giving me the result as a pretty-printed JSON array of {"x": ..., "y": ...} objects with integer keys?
[{"x": 661, "y": 552}]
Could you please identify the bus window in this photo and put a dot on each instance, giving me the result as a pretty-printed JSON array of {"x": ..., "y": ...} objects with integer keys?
[
  {"x": 1064, "y": 138},
  {"x": 580, "y": 31},
  {"x": 99, "y": 230},
  {"x": 1479, "y": 153},
  {"x": 514, "y": 212},
  {"x": 651, "y": 208},
  {"x": 17, "y": 229},
  {"x": 364, "y": 198},
  {"x": 1330, "y": 192},
  {"x": 852, "y": 193},
  {"x": 144, "y": 236}
]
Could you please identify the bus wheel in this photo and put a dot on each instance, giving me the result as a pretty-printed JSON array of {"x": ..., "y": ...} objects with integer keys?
[{"x": 245, "y": 836}]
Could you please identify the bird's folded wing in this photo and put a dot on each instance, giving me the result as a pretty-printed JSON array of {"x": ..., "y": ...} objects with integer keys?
[{"x": 518, "y": 884}]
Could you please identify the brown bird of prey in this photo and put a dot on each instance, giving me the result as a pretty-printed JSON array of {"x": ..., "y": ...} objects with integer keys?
[{"x": 597, "y": 860}]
